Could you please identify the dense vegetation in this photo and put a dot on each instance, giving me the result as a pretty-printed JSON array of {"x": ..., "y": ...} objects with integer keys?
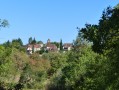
[{"x": 93, "y": 63}]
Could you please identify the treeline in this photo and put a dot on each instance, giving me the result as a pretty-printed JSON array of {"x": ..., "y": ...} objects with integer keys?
[{"x": 93, "y": 63}]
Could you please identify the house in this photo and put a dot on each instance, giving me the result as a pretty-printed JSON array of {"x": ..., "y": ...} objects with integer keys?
[
  {"x": 33, "y": 48},
  {"x": 29, "y": 49},
  {"x": 37, "y": 47},
  {"x": 67, "y": 46},
  {"x": 50, "y": 46}
]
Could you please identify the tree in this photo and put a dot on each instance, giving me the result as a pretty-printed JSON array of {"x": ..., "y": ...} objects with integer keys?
[
  {"x": 117, "y": 6},
  {"x": 7, "y": 44},
  {"x": 61, "y": 46},
  {"x": 3, "y": 23},
  {"x": 39, "y": 42},
  {"x": 16, "y": 43},
  {"x": 7, "y": 67},
  {"x": 20, "y": 41},
  {"x": 112, "y": 74},
  {"x": 56, "y": 43},
  {"x": 33, "y": 41},
  {"x": 79, "y": 71},
  {"x": 99, "y": 34},
  {"x": 30, "y": 40},
  {"x": 105, "y": 38}
]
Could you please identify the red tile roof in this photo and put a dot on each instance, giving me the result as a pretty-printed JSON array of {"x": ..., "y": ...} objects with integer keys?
[
  {"x": 35, "y": 46},
  {"x": 51, "y": 46},
  {"x": 67, "y": 45}
]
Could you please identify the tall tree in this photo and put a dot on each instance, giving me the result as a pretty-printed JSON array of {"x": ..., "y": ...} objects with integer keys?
[
  {"x": 56, "y": 43},
  {"x": 30, "y": 40},
  {"x": 7, "y": 44},
  {"x": 105, "y": 38},
  {"x": 61, "y": 46},
  {"x": 99, "y": 34},
  {"x": 18, "y": 44},
  {"x": 33, "y": 41},
  {"x": 20, "y": 41}
]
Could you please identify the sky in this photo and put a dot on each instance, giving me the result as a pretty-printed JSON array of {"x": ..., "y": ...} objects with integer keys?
[{"x": 49, "y": 19}]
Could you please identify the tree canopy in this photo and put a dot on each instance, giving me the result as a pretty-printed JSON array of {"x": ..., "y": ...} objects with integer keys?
[
  {"x": 104, "y": 32},
  {"x": 3, "y": 23}
]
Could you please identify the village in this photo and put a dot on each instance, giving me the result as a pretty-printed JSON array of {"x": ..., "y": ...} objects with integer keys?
[{"x": 48, "y": 47}]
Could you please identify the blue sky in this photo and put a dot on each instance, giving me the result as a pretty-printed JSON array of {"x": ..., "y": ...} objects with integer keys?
[{"x": 53, "y": 19}]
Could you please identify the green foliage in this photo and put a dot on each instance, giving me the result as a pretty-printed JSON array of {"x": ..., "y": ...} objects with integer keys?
[
  {"x": 81, "y": 69},
  {"x": 30, "y": 40},
  {"x": 33, "y": 41},
  {"x": 117, "y": 6},
  {"x": 35, "y": 56},
  {"x": 105, "y": 40},
  {"x": 39, "y": 42},
  {"x": 7, "y": 44},
  {"x": 3, "y": 23},
  {"x": 41, "y": 51},
  {"x": 56, "y": 43},
  {"x": 86, "y": 70},
  {"x": 16, "y": 43},
  {"x": 61, "y": 46},
  {"x": 7, "y": 67},
  {"x": 103, "y": 34},
  {"x": 99, "y": 34},
  {"x": 57, "y": 61},
  {"x": 111, "y": 68},
  {"x": 19, "y": 71}
]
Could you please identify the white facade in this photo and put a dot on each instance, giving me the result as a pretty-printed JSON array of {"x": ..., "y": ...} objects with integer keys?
[
  {"x": 37, "y": 49},
  {"x": 34, "y": 48}
]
